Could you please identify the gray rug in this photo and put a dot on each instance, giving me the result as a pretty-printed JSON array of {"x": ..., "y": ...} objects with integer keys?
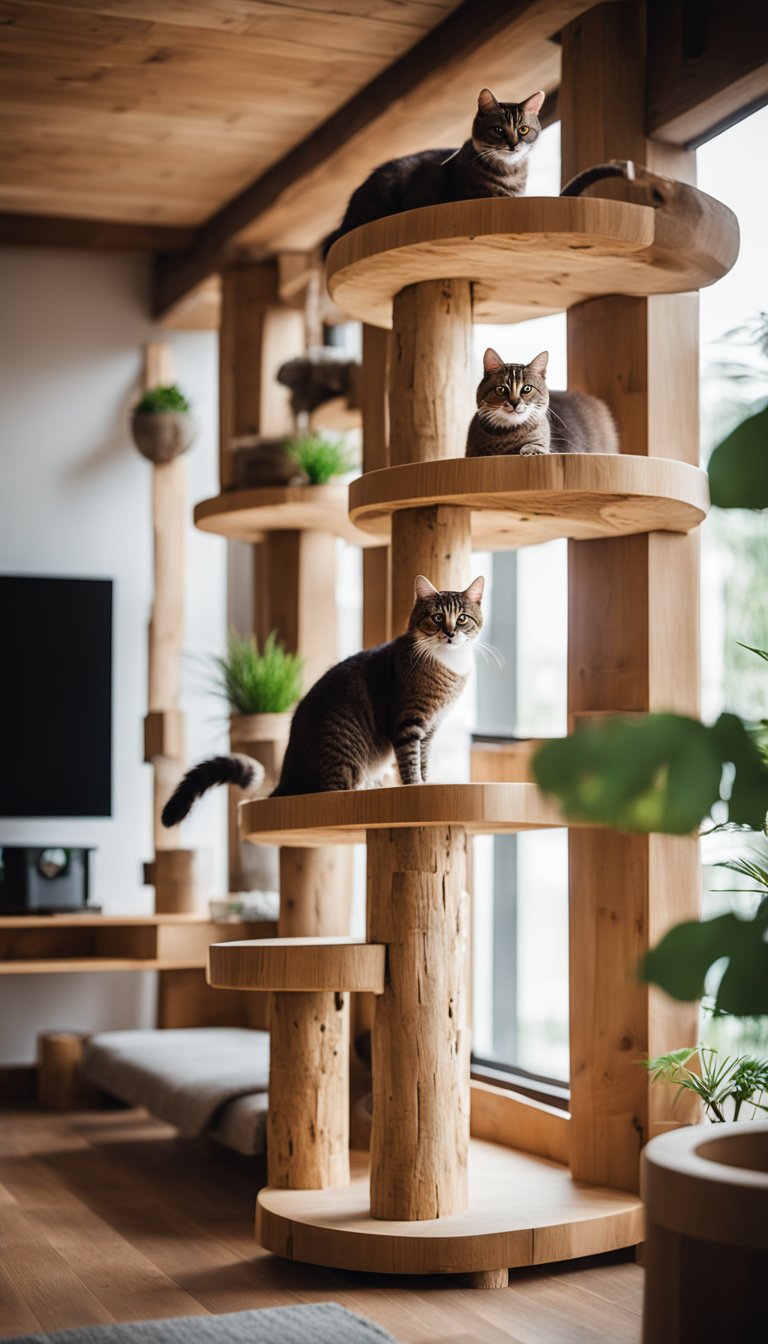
[{"x": 317, "y": 1323}]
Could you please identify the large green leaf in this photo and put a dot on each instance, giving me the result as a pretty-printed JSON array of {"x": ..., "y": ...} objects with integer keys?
[
  {"x": 658, "y": 773},
  {"x": 738, "y": 467},
  {"x": 680, "y": 962}
]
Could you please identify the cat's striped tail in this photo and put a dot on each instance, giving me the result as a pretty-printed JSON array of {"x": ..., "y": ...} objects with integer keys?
[{"x": 234, "y": 769}]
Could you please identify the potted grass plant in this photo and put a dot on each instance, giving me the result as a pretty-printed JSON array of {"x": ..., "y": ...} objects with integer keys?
[
  {"x": 319, "y": 458},
  {"x": 162, "y": 424},
  {"x": 261, "y": 687}
]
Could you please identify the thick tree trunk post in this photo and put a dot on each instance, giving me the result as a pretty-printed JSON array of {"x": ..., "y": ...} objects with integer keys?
[
  {"x": 377, "y": 589},
  {"x": 315, "y": 892},
  {"x": 264, "y": 737},
  {"x": 308, "y": 1125},
  {"x": 420, "y": 1136},
  {"x": 431, "y": 372},
  {"x": 640, "y": 652}
]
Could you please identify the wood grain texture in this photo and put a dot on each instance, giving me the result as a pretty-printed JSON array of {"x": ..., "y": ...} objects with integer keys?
[
  {"x": 60, "y": 1085},
  {"x": 431, "y": 541},
  {"x": 522, "y": 1211},
  {"x": 503, "y": 762},
  {"x": 377, "y": 580},
  {"x": 249, "y": 515},
  {"x": 308, "y": 1120},
  {"x": 298, "y": 964},
  {"x": 640, "y": 653},
  {"x": 343, "y": 817},
  {"x": 518, "y": 501},
  {"x": 529, "y": 256},
  {"x": 430, "y": 385},
  {"x": 501, "y": 1116},
  {"x": 417, "y": 905},
  {"x": 264, "y": 737},
  {"x": 315, "y": 892}
]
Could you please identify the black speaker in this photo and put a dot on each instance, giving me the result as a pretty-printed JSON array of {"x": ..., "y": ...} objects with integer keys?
[{"x": 40, "y": 881}]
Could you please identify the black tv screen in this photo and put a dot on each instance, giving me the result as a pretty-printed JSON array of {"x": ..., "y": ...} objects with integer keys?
[{"x": 55, "y": 697}]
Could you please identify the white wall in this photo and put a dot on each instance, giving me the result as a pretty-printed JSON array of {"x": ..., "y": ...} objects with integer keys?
[{"x": 75, "y": 500}]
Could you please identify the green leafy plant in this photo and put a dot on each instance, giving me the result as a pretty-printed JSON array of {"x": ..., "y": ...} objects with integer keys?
[
  {"x": 720, "y": 1083},
  {"x": 320, "y": 458},
  {"x": 253, "y": 682},
  {"x": 162, "y": 400}
]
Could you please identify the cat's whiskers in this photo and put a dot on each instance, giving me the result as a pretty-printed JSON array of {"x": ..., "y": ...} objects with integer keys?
[{"x": 489, "y": 652}]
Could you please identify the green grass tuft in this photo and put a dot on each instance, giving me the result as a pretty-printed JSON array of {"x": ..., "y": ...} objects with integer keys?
[
  {"x": 159, "y": 400},
  {"x": 320, "y": 458},
  {"x": 257, "y": 683}
]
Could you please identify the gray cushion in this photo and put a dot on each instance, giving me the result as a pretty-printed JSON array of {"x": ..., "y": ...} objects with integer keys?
[{"x": 317, "y": 1323}]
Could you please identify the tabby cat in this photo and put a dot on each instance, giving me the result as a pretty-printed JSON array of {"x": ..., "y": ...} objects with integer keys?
[
  {"x": 493, "y": 162},
  {"x": 517, "y": 414},
  {"x": 379, "y": 702}
]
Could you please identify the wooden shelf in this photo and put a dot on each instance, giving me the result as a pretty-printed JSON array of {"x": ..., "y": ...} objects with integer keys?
[
  {"x": 531, "y": 255},
  {"x": 310, "y": 819},
  {"x": 519, "y": 501},
  {"x": 248, "y": 515},
  {"x": 298, "y": 964},
  {"x": 523, "y": 1210},
  {"x": 74, "y": 943},
  {"x": 62, "y": 965}
]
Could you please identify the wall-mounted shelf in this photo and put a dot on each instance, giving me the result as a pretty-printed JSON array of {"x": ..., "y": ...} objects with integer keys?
[
  {"x": 311, "y": 819},
  {"x": 248, "y": 515},
  {"x": 523, "y": 1210},
  {"x": 518, "y": 501},
  {"x": 530, "y": 256}
]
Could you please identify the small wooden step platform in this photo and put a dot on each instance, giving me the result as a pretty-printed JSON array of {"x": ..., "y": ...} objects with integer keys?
[
  {"x": 310, "y": 819},
  {"x": 335, "y": 964},
  {"x": 524, "y": 1210},
  {"x": 248, "y": 515},
  {"x": 519, "y": 501},
  {"x": 531, "y": 255}
]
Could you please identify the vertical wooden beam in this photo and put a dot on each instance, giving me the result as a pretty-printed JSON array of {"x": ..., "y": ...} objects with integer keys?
[
  {"x": 632, "y": 632},
  {"x": 377, "y": 597}
]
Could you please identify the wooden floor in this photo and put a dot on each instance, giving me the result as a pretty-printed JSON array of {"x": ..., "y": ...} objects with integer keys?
[{"x": 104, "y": 1217}]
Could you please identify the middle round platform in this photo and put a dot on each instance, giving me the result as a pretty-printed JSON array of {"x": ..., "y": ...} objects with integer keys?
[
  {"x": 310, "y": 819},
  {"x": 521, "y": 501}
]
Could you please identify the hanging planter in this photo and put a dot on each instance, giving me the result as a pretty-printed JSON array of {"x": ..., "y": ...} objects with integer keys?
[{"x": 162, "y": 426}]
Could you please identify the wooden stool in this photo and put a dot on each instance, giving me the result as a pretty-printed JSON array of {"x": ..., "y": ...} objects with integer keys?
[{"x": 60, "y": 1082}]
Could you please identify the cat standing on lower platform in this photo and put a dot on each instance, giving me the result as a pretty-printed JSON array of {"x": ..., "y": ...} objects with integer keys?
[
  {"x": 518, "y": 415},
  {"x": 380, "y": 702}
]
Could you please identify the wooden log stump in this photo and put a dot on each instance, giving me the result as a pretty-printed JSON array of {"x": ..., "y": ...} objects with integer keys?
[
  {"x": 308, "y": 1124},
  {"x": 420, "y": 1134},
  {"x": 60, "y": 1082},
  {"x": 431, "y": 371}
]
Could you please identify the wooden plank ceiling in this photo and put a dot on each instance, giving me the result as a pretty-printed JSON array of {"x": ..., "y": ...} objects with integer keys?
[{"x": 157, "y": 112}]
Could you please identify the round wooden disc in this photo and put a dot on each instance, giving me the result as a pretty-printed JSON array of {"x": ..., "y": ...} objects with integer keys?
[
  {"x": 523, "y": 1210},
  {"x": 531, "y": 255},
  {"x": 298, "y": 964},
  {"x": 309, "y": 819},
  {"x": 247, "y": 515},
  {"x": 518, "y": 501}
]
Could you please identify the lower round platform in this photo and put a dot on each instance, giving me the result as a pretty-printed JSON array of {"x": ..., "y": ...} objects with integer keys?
[{"x": 523, "y": 1210}]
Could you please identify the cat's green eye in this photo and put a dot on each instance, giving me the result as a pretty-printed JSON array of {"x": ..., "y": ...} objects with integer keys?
[
  {"x": 438, "y": 617},
  {"x": 500, "y": 390},
  {"x": 461, "y": 620},
  {"x": 523, "y": 130},
  {"x": 526, "y": 388}
]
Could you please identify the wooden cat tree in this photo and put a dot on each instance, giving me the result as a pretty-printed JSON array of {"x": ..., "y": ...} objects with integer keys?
[{"x": 435, "y": 1201}]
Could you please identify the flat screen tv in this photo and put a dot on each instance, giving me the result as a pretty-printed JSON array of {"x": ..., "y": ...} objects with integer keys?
[{"x": 55, "y": 697}]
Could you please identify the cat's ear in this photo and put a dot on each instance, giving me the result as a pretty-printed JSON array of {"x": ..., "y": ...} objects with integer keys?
[
  {"x": 474, "y": 592},
  {"x": 532, "y": 106},
  {"x": 492, "y": 363},
  {"x": 538, "y": 366},
  {"x": 422, "y": 588},
  {"x": 486, "y": 101}
]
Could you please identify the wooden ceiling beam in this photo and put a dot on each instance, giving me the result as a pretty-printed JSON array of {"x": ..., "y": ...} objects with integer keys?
[
  {"x": 91, "y": 235},
  {"x": 425, "y": 97},
  {"x": 707, "y": 67}
]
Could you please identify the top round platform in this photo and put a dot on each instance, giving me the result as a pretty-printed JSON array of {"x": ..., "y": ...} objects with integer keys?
[
  {"x": 248, "y": 515},
  {"x": 529, "y": 256}
]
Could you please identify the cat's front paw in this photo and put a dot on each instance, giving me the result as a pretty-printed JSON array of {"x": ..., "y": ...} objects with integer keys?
[{"x": 533, "y": 450}]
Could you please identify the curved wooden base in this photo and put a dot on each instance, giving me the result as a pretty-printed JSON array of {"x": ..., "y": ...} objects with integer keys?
[
  {"x": 532, "y": 255},
  {"x": 333, "y": 964},
  {"x": 521, "y": 501},
  {"x": 523, "y": 1210},
  {"x": 248, "y": 515},
  {"x": 343, "y": 817}
]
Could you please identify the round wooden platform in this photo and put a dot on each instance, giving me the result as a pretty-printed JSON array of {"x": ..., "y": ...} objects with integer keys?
[
  {"x": 298, "y": 964},
  {"x": 531, "y": 255},
  {"x": 248, "y": 515},
  {"x": 519, "y": 501},
  {"x": 523, "y": 1210},
  {"x": 310, "y": 819}
]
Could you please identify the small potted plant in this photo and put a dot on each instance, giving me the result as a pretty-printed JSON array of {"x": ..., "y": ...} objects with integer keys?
[
  {"x": 321, "y": 459},
  {"x": 261, "y": 687},
  {"x": 162, "y": 424}
]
